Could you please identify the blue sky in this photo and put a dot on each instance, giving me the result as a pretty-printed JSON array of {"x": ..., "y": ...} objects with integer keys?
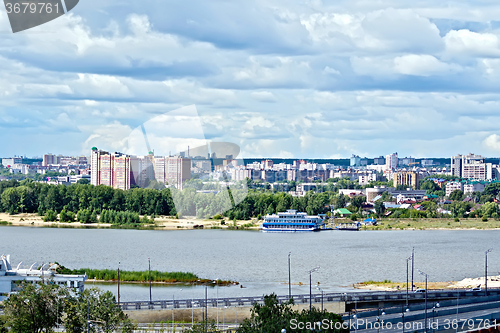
[{"x": 311, "y": 79}]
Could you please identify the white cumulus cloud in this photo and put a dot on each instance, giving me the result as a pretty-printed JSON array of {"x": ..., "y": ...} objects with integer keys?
[{"x": 423, "y": 65}]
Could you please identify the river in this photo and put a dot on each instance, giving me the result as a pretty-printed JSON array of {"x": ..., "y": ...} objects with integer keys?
[{"x": 259, "y": 261}]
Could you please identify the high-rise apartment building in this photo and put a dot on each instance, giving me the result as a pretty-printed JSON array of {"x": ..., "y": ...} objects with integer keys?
[
  {"x": 355, "y": 160},
  {"x": 391, "y": 161},
  {"x": 172, "y": 170},
  {"x": 111, "y": 169},
  {"x": 121, "y": 171},
  {"x": 456, "y": 165}
]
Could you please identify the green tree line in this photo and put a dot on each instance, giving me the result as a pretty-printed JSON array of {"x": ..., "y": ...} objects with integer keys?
[{"x": 82, "y": 201}]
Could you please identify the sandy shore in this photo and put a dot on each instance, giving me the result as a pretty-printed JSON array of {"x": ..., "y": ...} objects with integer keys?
[
  {"x": 493, "y": 282},
  {"x": 163, "y": 223}
]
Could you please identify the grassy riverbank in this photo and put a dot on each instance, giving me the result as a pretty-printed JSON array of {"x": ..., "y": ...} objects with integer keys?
[
  {"x": 109, "y": 275},
  {"x": 433, "y": 223}
]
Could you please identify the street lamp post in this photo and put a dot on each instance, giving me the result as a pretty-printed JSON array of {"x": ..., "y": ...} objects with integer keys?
[
  {"x": 206, "y": 308},
  {"x": 486, "y": 271},
  {"x": 217, "y": 298},
  {"x": 192, "y": 307},
  {"x": 436, "y": 306},
  {"x": 192, "y": 313},
  {"x": 403, "y": 314},
  {"x": 310, "y": 286},
  {"x": 224, "y": 316},
  {"x": 355, "y": 314},
  {"x": 378, "y": 319},
  {"x": 458, "y": 299},
  {"x": 422, "y": 273},
  {"x": 118, "y": 282},
  {"x": 88, "y": 314},
  {"x": 289, "y": 278},
  {"x": 321, "y": 297},
  {"x": 150, "y": 295},
  {"x": 407, "y": 260},
  {"x": 412, "y": 266}
]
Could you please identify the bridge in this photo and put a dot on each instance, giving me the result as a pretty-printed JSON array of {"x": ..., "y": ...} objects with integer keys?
[
  {"x": 453, "y": 315},
  {"x": 351, "y": 300}
]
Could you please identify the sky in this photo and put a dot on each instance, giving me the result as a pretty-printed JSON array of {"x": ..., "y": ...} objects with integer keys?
[{"x": 290, "y": 79}]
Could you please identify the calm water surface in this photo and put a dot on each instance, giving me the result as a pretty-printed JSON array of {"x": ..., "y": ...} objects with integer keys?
[{"x": 259, "y": 261}]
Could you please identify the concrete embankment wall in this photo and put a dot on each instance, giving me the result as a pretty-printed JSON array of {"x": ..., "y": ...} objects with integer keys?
[{"x": 229, "y": 315}]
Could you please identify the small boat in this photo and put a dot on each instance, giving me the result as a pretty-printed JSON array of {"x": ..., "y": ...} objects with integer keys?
[{"x": 347, "y": 226}]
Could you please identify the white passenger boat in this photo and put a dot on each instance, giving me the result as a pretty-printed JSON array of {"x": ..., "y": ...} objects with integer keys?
[
  {"x": 10, "y": 278},
  {"x": 292, "y": 221}
]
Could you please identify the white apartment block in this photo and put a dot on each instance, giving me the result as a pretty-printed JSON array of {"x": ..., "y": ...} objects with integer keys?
[
  {"x": 472, "y": 167},
  {"x": 238, "y": 174},
  {"x": 477, "y": 171},
  {"x": 452, "y": 186},
  {"x": 474, "y": 187},
  {"x": 11, "y": 161},
  {"x": 366, "y": 179}
]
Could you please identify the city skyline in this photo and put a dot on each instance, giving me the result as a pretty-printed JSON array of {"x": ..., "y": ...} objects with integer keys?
[{"x": 288, "y": 80}]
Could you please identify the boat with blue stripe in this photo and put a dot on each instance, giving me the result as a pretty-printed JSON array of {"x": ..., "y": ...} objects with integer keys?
[{"x": 292, "y": 221}]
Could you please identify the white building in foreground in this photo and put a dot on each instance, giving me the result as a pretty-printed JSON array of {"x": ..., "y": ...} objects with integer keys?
[{"x": 10, "y": 278}]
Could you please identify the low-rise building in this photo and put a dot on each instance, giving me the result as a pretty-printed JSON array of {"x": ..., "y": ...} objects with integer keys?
[
  {"x": 453, "y": 186},
  {"x": 11, "y": 277}
]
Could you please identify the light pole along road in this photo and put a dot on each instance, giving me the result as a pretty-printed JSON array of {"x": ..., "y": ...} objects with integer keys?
[
  {"x": 422, "y": 273},
  {"x": 310, "y": 286}
]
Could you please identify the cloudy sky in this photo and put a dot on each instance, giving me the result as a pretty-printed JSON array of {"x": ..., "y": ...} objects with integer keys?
[{"x": 311, "y": 79}]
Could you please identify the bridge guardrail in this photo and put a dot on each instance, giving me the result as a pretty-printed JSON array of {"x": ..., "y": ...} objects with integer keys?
[{"x": 303, "y": 298}]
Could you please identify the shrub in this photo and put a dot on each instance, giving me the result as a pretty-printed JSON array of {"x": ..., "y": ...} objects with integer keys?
[
  {"x": 50, "y": 215},
  {"x": 457, "y": 219},
  {"x": 484, "y": 219},
  {"x": 93, "y": 217},
  {"x": 83, "y": 216},
  {"x": 217, "y": 217},
  {"x": 66, "y": 216}
]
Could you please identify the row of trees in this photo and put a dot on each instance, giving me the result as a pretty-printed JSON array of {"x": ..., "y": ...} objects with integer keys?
[
  {"x": 107, "y": 216},
  {"x": 90, "y": 204},
  {"x": 32, "y": 197},
  {"x": 38, "y": 308}
]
